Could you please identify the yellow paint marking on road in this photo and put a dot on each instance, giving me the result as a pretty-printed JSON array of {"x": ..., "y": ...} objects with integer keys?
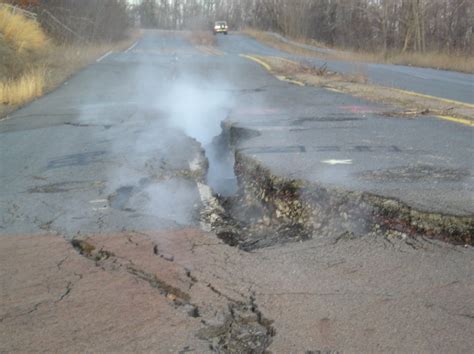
[
  {"x": 334, "y": 90},
  {"x": 269, "y": 69},
  {"x": 411, "y": 93},
  {"x": 257, "y": 60},
  {"x": 467, "y": 122},
  {"x": 291, "y": 81}
]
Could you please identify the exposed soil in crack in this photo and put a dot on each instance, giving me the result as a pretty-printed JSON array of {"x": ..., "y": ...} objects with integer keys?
[
  {"x": 269, "y": 210},
  {"x": 245, "y": 330},
  {"x": 246, "y": 222}
]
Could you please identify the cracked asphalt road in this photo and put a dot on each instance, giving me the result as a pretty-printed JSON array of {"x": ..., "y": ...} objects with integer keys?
[{"x": 99, "y": 157}]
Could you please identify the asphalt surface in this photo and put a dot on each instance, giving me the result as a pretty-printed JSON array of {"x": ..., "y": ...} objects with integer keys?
[
  {"x": 439, "y": 83},
  {"x": 424, "y": 162},
  {"x": 116, "y": 149},
  {"x": 86, "y": 157},
  {"x": 124, "y": 121}
]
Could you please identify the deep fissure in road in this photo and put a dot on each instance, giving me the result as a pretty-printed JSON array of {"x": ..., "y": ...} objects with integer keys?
[
  {"x": 239, "y": 220},
  {"x": 266, "y": 209},
  {"x": 220, "y": 174}
]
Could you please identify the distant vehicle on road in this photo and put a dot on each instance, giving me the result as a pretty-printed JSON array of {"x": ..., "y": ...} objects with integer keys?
[{"x": 220, "y": 27}]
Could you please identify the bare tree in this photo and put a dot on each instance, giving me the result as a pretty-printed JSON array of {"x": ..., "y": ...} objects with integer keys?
[{"x": 387, "y": 25}]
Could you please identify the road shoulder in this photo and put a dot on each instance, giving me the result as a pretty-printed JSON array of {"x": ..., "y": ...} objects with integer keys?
[{"x": 401, "y": 103}]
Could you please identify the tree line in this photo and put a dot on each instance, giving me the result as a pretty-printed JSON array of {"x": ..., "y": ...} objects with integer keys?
[
  {"x": 86, "y": 20},
  {"x": 402, "y": 25},
  {"x": 373, "y": 25}
]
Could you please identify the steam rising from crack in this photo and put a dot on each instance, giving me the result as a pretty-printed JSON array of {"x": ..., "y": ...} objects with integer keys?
[
  {"x": 197, "y": 107},
  {"x": 158, "y": 124}
]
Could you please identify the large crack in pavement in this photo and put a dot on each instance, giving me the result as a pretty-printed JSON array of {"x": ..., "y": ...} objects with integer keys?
[
  {"x": 234, "y": 326},
  {"x": 109, "y": 261},
  {"x": 266, "y": 210},
  {"x": 269, "y": 209}
]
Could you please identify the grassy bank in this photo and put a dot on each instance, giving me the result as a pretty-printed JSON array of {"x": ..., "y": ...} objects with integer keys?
[
  {"x": 32, "y": 64},
  {"x": 435, "y": 60}
]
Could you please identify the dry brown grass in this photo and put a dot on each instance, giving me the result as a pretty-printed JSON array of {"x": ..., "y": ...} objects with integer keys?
[
  {"x": 41, "y": 71},
  {"x": 402, "y": 104},
  {"x": 455, "y": 62},
  {"x": 22, "y": 78},
  {"x": 29, "y": 86},
  {"x": 285, "y": 67},
  {"x": 201, "y": 38},
  {"x": 436, "y": 60},
  {"x": 20, "y": 32}
]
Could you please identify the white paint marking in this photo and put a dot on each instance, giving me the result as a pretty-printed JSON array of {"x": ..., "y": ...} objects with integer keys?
[
  {"x": 131, "y": 48},
  {"x": 100, "y": 209},
  {"x": 337, "y": 162},
  {"x": 104, "y": 56},
  {"x": 97, "y": 201}
]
